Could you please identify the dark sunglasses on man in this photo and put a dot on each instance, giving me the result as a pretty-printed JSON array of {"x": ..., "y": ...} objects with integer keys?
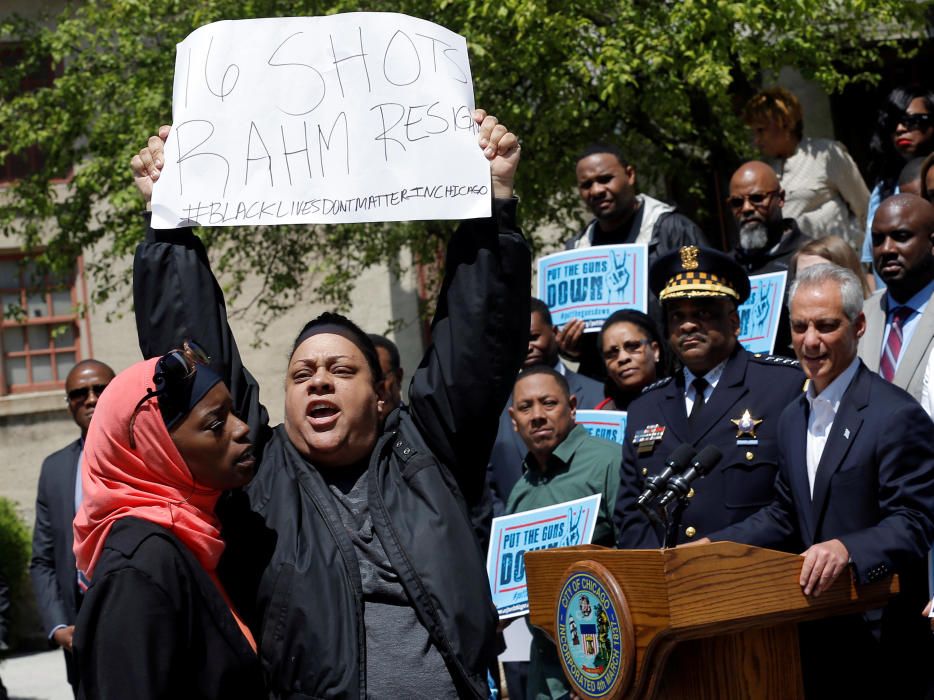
[{"x": 81, "y": 394}]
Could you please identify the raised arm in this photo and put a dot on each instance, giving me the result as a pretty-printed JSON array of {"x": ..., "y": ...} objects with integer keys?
[
  {"x": 176, "y": 297},
  {"x": 480, "y": 329}
]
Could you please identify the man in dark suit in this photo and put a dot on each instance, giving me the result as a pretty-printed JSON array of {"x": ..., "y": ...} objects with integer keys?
[
  {"x": 722, "y": 395},
  {"x": 855, "y": 491},
  {"x": 505, "y": 467},
  {"x": 54, "y": 577}
]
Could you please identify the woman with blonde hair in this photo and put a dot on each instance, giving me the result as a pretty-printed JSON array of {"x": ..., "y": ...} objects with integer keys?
[
  {"x": 831, "y": 249},
  {"x": 824, "y": 191}
]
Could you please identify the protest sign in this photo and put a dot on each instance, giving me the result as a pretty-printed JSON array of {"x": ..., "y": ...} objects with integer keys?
[
  {"x": 592, "y": 283},
  {"x": 609, "y": 425},
  {"x": 759, "y": 316},
  {"x": 354, "y": 117},
  {"x": 561, "y": 525}
]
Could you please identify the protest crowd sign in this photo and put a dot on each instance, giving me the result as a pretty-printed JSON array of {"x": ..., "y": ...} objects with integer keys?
[
  {"x": 348, "y": 118},
  {"x": 561, "y": 525},
  {"x": 760, "y": 314},
  {"x": 592, "y": 283},
  {"x": 608, "y": 425}
]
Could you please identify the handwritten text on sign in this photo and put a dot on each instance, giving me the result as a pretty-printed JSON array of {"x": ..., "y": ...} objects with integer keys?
[
  {"x": 354, "y": 117},
  {"x": 561, "y": 525},
  {"x": 592, "y": 283},
  {"x": 759, "y": 316}
]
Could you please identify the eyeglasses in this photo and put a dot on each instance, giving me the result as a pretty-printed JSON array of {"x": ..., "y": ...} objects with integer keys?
[
  {"x": 173, "y": 370},
  {"x": 917, "y": 121},
  {"x": 756, "y": 199},
  {"x": 81, "y": 394},
  {"x": 630, "y": 347}
]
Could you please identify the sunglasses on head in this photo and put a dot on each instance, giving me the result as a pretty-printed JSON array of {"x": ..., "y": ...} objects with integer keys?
[
  {"x": 82, "y": 393},
  {"x": 756, "y": 198},
  {"x": 173, "y": 370},
  {"x": 919, "y": 121}
]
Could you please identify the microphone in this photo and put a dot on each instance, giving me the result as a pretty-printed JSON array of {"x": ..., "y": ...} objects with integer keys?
[
  {"x": 675, "y": 463},
  {"x": 679, "y": 486}
]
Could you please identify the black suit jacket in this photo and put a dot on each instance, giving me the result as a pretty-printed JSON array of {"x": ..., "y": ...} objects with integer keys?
[
  {"x": 505, "y": 467},
  {"x": 874, "y": 491},
  {"x": 53, "y": 559}
]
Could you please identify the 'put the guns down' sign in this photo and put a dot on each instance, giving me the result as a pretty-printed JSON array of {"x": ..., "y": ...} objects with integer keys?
[
  {"x": 592, "y": 283},
  {"x": 562, "y": 525}
]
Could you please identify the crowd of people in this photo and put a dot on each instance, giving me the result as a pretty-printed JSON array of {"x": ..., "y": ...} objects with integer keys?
[{"x": 341, "y": 554}]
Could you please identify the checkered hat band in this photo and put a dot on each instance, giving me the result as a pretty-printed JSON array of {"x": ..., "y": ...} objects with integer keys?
[{"x": 697, "y": 284}]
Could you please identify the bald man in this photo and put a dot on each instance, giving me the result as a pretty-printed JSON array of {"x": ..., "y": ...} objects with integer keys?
[
  {"x": 900, "y": 318},
  {"x": 766, "y": 240},
  {"x": 54, "y": 577}
]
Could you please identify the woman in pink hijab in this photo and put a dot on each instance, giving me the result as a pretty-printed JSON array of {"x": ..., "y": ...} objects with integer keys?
[{"x": 156, "y": 621}]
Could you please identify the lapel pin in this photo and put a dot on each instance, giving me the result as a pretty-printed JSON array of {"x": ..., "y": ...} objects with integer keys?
[{"x": 846, "y": 433}]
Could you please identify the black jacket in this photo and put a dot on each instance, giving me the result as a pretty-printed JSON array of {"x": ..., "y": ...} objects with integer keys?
[
  {"x": 54, "y": 578},
  {"x": 154, "y": 626},
  {"x": 287, "y": 550}
]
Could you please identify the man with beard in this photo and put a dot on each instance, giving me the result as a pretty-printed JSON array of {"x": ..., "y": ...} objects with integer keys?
[
  {"x": 766, "y": 240},
  {"x": 900, "y": 319},
  {"x": 722, "y": 396}
]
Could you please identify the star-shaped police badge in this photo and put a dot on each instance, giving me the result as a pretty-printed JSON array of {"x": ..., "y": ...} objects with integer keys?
[{"x": 745, "y": 425}]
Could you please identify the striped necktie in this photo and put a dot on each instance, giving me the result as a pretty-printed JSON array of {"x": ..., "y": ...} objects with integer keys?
[{"x": 893, "y": 343}]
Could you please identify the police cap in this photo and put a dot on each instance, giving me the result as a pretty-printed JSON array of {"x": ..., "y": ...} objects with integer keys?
[{"x": 692, "y": 272}]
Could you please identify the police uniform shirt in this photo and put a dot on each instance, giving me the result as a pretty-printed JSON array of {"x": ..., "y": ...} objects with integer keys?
[{"x": 690, "y": 393}]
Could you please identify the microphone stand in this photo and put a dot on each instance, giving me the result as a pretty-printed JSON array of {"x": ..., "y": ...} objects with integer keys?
[{"x": 673, "y": 522}]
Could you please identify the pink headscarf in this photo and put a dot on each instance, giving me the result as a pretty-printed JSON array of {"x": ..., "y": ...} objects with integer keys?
[{"x": 151, "y": 482}]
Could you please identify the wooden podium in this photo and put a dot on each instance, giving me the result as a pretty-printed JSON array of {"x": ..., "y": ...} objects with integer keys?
[{"x": 712, "y": 621}]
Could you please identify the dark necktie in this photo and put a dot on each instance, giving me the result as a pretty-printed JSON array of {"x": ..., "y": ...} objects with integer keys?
[
  {"x": 699, "y": 384},
  {"x": 893, "y": 344}
]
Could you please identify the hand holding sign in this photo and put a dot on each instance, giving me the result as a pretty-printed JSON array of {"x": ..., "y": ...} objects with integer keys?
[
  {"x": 147, "y": 164},
  {"x": 352, "y": 117},
  {"x": 500, "y": 146}
]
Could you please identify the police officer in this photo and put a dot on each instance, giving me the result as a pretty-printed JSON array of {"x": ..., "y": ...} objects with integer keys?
[{"x": 722, "y": 395}]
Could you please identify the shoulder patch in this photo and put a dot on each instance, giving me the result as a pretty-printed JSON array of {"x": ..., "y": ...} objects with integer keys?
[
  {"x": 774, "y": 360},
  {"x": 657, "y": 385}
]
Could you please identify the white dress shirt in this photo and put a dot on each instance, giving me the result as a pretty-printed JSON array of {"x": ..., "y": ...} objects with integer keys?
[
  {"x": 690, "y": 393},
  {"x": 823, "y": 410}
]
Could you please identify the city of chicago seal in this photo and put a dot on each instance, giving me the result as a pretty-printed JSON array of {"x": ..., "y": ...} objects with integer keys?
[{"x": 594, "y": 632}]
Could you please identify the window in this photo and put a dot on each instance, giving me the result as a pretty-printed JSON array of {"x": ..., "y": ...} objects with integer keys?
[
  {"x": 39, "y": 342},
  {"x": 31, "y": 160}
]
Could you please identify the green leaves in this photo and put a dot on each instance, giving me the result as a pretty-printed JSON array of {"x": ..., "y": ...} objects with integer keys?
[{"x": 663, "y": 78}]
